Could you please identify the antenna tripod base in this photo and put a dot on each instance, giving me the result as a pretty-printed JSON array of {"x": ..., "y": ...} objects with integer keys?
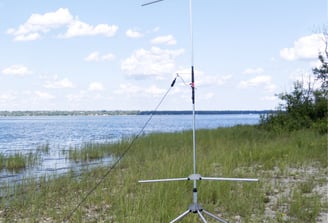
[{"x": 197, "y": 209}]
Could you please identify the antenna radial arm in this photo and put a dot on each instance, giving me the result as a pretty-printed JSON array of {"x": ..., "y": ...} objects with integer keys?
[{"x": 153, "y": 2}]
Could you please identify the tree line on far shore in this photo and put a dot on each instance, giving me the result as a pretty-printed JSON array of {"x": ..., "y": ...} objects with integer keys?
[{"x": 129, "y": 112}]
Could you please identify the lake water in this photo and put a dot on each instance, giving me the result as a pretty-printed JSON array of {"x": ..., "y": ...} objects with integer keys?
[{"x": 60, "y": 133}]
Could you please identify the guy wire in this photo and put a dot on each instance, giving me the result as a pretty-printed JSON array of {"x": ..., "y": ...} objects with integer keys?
[
  {"x": 112, "y": 167},
  {"x": 184, "y": 82}
]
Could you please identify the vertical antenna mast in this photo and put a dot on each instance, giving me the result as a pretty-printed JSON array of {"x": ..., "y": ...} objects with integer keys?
[
  {"x": 193, "y": 100},
  {"x": 195, "y": 207}
]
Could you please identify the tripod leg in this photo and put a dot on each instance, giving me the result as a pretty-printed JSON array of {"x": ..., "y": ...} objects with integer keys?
[
  {"x": 180, "y": 216},
  {"x": 201, "y": 216},
  {"x": 215, "y": 217}
]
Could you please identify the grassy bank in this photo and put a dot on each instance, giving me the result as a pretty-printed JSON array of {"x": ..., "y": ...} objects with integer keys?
[{"x": 292, "y": 169}]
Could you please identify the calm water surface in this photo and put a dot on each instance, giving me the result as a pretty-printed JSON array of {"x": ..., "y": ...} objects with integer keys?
[{"x": 60, "y": 133}]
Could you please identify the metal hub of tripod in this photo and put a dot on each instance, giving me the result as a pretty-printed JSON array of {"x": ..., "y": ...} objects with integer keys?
[{"x": 195, "y": 207}]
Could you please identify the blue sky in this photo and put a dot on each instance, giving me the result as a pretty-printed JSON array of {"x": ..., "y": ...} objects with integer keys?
[{"x": 117, "y": 55}]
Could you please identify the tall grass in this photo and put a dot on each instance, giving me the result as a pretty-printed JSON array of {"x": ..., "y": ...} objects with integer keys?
[{"x": 242, "y": 151}]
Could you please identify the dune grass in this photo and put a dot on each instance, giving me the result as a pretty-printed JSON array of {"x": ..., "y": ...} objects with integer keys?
[{"x": 241, "y": 151}]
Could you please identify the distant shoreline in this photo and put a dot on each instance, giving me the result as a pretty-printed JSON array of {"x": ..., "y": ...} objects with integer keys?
[{"x": 132, "y": 112}]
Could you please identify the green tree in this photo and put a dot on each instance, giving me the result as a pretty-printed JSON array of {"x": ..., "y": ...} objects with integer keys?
[{"x": 305, "y": 106}]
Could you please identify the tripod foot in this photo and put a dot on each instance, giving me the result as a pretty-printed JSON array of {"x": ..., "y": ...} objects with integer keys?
[
  {"x": 180, "y": 216},
  {"x": 201, "y": 216},
  {"x": 215, "y": 217},
  {"x": 197, "y": 209}
]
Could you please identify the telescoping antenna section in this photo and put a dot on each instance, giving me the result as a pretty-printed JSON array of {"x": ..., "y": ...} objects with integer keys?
[{"x": 195, "y": 207}]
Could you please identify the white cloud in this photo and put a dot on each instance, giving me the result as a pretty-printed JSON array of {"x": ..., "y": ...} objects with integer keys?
[
  {"x": 168, "y": 40},
  {"x": 153, "y": 62},
  {"x": 154, "y": 90},
  {"x": 38, "y": 24},
  {"x": 108, "y": 57},
  {"x": 306, "y": 47},
  {"x": 263, "y": 80},
  {"x": 43, "y": 95},
  {"x": 28, "y": 37},
  {"x": 49, "y": 20},
  {"x": 202, "y": 79},
  {"x": 270, "y": 87},
  {"x": 155, "y": 30},
  {"x": 253, "y": 71},
  {"x": 80, "y": 96},
  {"x": 269, "y": 98},
  {"x": 133, "y": 34},
  {"x": 315, "y": 63},
  {"x": 27, "y": 99},
  {"x": 16, "y": 70},
  {"x": 211, "y": 80},
  {"x": 96, "y": 86},
  {"x": 128, "y": 89},
  {"x": 206, "y": 96},
  {"x": 131, "y": 90},
  {"x": 9, "y": 96},
  {"x": 63, "y": 83},
  {"x": 259, "y": 80},
  {"x": 78, "y": 28},
  {"x": 95, "y": 56}
]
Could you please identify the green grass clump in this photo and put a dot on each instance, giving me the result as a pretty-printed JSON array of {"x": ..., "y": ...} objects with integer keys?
[
  {"x": 2, "y": 161},
  {"x": 90, "y": 152},
  {"x": 44, "y": 148},
  {"x": 18, "y": 161},
  {"x": 304, "y": 208},
  {"x": 242, "y": 151}
]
